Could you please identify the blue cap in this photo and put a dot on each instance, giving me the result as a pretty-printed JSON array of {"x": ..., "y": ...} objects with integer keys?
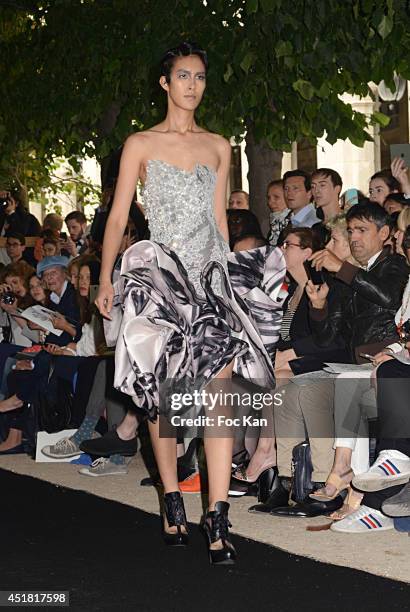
[{"x": 51, "y": 262}]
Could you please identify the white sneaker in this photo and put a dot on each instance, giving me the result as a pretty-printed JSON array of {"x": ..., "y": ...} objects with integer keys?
[
  {"x": 104, "y": 467},
  {"x": 364, "y": 520},
  {"x": 390, "y": 468},
  {"x": 63, "y": 449}
]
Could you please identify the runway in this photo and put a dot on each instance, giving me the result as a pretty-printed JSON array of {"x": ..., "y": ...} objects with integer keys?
[{"x": 110, "y": 556}]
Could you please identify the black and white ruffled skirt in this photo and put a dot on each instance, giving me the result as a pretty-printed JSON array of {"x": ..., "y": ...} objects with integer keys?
[{"x": 164, "y": 331}]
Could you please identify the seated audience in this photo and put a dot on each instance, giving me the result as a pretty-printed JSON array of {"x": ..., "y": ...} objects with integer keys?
[
  {"x": 76, "y": 242},
  {"x": 279, "y": 212},
  {"x": 242, "y": 223},
  {"x": 365, "y": 320},
  {"x": 238, "y": 200},
  {"x": 326, "y": 188},
  {"x": 298, "y": 197}
]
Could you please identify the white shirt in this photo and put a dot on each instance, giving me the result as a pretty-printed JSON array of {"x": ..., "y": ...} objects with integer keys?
[
  {"x": 371, "y": 261},
  {"x": 56, "y": 299},
  {"x": 306, "y": 217}
]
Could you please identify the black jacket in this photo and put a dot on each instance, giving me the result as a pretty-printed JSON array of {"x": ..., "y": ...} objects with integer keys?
[
  {"x": 22, "y": 222},
  {"x": 364, "y": 315},
  {"x": 307, "y": 344},
  {"x": 68, "y": 307}
]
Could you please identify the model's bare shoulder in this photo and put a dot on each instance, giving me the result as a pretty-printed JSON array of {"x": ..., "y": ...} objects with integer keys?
[{"x": 138, "y": 139}]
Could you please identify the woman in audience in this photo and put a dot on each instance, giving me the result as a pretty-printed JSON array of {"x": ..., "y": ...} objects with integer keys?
[
  {"x": 403, "y": 222},
  {"x": 395, "y": 202},
  {"x": 381, "y": 185}
]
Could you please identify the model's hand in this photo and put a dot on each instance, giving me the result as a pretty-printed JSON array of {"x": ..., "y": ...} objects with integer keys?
[
  {"x": 399, "y": 171},
  {"x": 317, "y": 294},
  {"x": 326, "y": 259},
  {"x": 104, "y": 299}
]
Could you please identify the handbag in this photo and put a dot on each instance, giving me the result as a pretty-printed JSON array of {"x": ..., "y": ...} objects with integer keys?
[{"x": 302, "y": 469}]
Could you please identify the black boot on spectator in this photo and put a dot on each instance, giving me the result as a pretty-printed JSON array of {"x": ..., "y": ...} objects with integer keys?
[
  {"x": 309, "y": 507},
  {"x": 110, "y": 444},
  {"x": 273, "y": 491}
]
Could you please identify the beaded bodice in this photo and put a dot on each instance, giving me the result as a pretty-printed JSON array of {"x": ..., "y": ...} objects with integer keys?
[{"x": 180, "y": 209}]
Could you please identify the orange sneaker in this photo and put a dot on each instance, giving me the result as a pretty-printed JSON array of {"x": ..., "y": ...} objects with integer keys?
[{"x": 192, "y": 484}]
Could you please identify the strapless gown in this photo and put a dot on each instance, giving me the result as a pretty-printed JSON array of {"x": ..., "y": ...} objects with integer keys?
[{"x": 184, "y": 305}]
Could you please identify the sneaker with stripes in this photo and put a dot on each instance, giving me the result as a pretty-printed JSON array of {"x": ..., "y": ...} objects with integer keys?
[
  {"x": 364, "y": 520},
  {"x": 390, "y": 468}
]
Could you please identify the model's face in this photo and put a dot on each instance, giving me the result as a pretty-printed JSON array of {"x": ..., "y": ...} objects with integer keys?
[
  {"x": 378, "y": 191},
  {"x": 339, "y": 245},
  {"x": 391, "y": 206},
  {"x": 36, "y": 289},
  {"x": 276, "y": 198},
  {"x": 323, "y": 191},
  {"x": 187, "y": 82},
  {"x": 16, "y": 284},
  {"x": 296, "y": 195},
  {"x": 238, "y": 200},
  {"x": 365, "y": 239},
  {"x": 84, "y": 281}
]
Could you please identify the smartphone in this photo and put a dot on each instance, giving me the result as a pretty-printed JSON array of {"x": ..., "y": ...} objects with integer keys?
[
  {"x": 367, "y": 356},
  {"x": 316, "y": 276},
  {"x": 93, "y": 292},
  {"x": 63, "y": 236},
  {"x": 401, "y": 150}
]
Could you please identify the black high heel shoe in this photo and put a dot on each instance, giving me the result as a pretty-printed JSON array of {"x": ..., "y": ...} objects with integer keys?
[
  {"x": 176, "y": 517},
  {"x": 216, "y": 527}
]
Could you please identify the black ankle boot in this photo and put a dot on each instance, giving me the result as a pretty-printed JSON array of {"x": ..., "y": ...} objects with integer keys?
[
  {"x": 176, "y": 517},
  {"x": 216, "y": 526},
  {"x": 273, "y": 492}
]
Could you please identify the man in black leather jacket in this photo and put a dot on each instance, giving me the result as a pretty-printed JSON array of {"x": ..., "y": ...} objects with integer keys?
[{"x": 365, "y": 315}]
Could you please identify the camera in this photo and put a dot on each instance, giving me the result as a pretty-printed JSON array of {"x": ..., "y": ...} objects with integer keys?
[
  {"x": 8, "y": 297},
  {"x": 4, "y": 201}
]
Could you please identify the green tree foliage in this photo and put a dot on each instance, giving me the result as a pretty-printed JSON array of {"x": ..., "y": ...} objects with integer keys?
[{"x": 79, "y": 75}]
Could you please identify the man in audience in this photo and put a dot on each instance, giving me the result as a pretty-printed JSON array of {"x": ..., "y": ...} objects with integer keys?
[
  {"x": 52, "y": 270},
  {"x": 326, "y": 188},
  {"x": 365, "y": 317},
  {"x": 298, "y": 195},
  {"x": 76, "y": 243},
  {"x": 239, "y": 199},
  {"x": 16, "y": 249},
  {"x": 279, "y": 215}
]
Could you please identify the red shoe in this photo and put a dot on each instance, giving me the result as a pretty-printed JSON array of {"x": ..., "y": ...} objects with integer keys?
[{"x": 192, "y": 484}]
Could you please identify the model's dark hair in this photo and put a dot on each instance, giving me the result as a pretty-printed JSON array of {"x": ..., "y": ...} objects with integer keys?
[
  {"x": 182, "y": 50},
  {"x": 386, "y": 176},
  {"x": 369, "y": 211},
  {"x": 329, "y": 173},
  {"x": 302, "y": 173}
]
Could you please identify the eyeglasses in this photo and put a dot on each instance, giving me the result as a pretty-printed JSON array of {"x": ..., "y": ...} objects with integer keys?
[{"x": 287, "y": 244}]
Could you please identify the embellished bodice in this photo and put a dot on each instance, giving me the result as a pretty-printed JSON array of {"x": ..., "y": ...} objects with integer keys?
[{"x": 179, "y": 206}]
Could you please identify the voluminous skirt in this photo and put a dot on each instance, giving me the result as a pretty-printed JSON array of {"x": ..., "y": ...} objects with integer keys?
[{"x": 164, "y": 331}]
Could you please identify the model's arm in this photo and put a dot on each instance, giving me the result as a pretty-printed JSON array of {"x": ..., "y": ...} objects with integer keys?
[
  {"x": 117, "y": 220},
  {"x": 221, "y": 187}
]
